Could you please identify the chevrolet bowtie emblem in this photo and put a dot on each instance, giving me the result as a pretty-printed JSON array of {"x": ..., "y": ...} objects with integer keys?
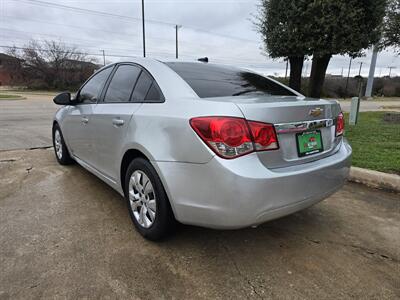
[{"x": 315, "y": 112}]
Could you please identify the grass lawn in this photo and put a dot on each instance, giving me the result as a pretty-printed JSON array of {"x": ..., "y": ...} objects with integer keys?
[
  {"x": 376, "y": 144},
  {"x": 7, "y": 96}
]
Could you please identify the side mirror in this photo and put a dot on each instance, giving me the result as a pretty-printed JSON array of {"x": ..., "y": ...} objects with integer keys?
[{"x": 63, "y": 98}]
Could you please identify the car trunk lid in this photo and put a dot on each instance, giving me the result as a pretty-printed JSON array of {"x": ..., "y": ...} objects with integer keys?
[{"x": 292, "y": 116}]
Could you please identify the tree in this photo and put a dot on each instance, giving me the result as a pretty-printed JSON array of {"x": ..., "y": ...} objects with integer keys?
[
  {"x": 280, "y": 24},
  {"x": 391, "y": 26},
  {"x": 52, "y": 65},
  {"x": 321, "y": 28},
  {"x": 340, "y": 27}
]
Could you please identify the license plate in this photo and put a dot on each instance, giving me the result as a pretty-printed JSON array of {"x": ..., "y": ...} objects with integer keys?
[{"x": 309, "y": 143}]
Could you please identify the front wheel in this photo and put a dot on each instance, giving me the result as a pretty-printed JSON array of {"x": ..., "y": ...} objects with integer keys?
[
  {"x": 60, "y": 149},
  {"x": 147, "y": 201}
]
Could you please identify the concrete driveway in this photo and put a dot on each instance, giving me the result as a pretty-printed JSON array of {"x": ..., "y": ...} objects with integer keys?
[
  {"x": 65, "y": 234},
  {"x": 26, "y": 123},
  {"x": 369, "y": 105}
]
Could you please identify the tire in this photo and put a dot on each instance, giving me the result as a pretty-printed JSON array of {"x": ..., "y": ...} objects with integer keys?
[
  {"x": 60, "y": 149},
  {"x": 147, "y": 201}
]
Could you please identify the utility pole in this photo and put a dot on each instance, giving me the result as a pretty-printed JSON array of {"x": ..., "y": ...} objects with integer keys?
[
  {"x": 359, "y": 72},
  {"x": 360, "y": 81},
  {"x": 104, "y": 58},
  {"x": 348, "y": 76},
  {"x": 287, "y": 65},
  {"x": 144, "y": 34},
  {"x": 390, "y": 70},
  {"x": 176, "y": 40},
  {"x": 370, "y": 82}
]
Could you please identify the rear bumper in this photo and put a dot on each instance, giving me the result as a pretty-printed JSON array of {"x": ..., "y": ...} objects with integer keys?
[{"x": 242, "y": 192}]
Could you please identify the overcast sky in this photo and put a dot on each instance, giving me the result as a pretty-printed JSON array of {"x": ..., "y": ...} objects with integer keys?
[{"x": 221, "y": 30}]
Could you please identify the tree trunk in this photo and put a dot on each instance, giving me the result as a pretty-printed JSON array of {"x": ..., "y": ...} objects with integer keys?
[
  {"x": 317, "y": 77},
  {"x": 296, "y": 67}
]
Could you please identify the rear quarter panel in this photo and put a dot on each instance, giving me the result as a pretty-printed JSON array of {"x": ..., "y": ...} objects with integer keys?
[{"x": 163, "y": 133}]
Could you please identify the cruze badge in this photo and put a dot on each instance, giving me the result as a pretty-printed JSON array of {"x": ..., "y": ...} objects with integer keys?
[{"x": 315, "y": 112}]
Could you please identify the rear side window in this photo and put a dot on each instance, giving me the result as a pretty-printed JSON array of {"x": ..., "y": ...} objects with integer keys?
[
  {"x": 142, "y": 87},
  {"x": 147, "y": 90},
  {"x": 154, "y": 94},
  {"x": 209, "y": 80},
  {"x": 91, "y": 91},
  {"x": 122, "y": 83}
]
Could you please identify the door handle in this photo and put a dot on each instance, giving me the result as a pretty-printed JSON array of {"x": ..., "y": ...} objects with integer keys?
[
  {"x": 118, "y": 122},
  {"x": 85, "y": 120}
]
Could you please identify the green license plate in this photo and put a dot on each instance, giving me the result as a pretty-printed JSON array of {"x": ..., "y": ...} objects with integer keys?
[{"x": 309, "y": 143}]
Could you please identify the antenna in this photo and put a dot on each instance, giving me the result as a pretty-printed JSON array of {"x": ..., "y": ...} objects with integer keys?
[{"x": 203, "y": 59}]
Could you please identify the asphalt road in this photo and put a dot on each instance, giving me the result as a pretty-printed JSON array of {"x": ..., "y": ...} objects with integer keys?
[
  {"x": 64, "y": 234},
  {"x": 27, "y": 123}
]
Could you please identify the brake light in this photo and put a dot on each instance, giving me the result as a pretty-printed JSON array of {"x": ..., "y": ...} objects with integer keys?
[
  {"x": 226, "y": 136},
  {"x": 340, "y": 125},
  {"x": 264, "y": 136},
  {"x": 231, "y": 137}
]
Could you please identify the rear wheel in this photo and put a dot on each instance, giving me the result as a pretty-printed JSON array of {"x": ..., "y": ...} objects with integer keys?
[
  {"x": 60, "y": 149},
  {"x": 147, "y": 201}
]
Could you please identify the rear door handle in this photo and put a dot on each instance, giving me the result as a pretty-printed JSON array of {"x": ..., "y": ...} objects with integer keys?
[
  {"x": 118, "y": 122},
  {"x": 85, "y": 120}
]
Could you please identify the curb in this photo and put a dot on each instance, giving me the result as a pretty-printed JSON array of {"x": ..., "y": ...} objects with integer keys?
[{"x": 375, "y": 179}]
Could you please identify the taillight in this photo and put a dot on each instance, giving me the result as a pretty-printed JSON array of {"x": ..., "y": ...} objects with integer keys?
[
  {"x": 231, "y": 137},
  {"x": 340, "y": 124},
  {"x": 264, "y": 136},
  {"x": 226, "y": 136}
]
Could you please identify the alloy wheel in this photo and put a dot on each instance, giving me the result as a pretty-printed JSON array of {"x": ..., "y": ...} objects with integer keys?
[
  {"x": 58, "y": 143},
  {"x": 142, "y": 199}
]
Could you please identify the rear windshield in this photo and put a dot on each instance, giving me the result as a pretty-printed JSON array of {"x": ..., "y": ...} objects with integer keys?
[{"x": 209, "y": 80}]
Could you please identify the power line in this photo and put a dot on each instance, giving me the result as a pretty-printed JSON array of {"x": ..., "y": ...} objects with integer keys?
[
  {"x": 83, "y": 43},
  {"x": 220, "y": 34},
  {"x": 99, "y": 30},
  {"x": 89, "y": 11},
  {"x": 70, "y": 25},
  {"x": 99, "y": 54},
  {"x": 78, "y": 53},
  {"x": 91, "y": 46},
  {"x": 43, "y": 50},
  {"x": 102, "y": 13},
  {"x": 96, "y": 29},
  {"x": 59, "y": 37}
]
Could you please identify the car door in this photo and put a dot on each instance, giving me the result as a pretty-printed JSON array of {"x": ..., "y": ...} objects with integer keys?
[
  {"x": 111, "y": 118},
  {"x": 77, "y": 127}
]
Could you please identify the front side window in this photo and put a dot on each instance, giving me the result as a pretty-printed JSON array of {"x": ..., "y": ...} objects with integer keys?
[
  {"x": 122, "y": 84},
  {"x": 209, "y": 80},
  {"x": 91, "y": 91}
]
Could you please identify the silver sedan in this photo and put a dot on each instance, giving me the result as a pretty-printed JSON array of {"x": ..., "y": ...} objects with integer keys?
[{"x": 203, "y": 144}]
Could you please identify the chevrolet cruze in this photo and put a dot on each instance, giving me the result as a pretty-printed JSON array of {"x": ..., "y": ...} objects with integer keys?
[{"x": 203, "y": 144}]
